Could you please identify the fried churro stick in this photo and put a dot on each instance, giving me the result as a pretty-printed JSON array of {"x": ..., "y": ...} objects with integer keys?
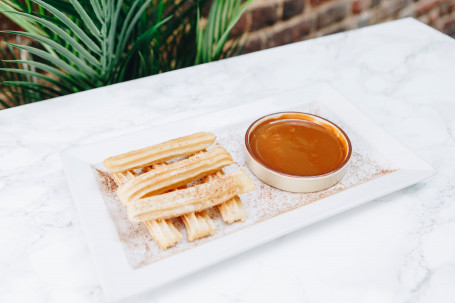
[
  {"x": 192, "y": 199},
  {"x": 162, "y": 231},
  {"x": 159, "y": 153},
  {"x": 171, "y": 176},
  {"x": 123, "y": 177},
  {"x": 198, "y": 225},
  {"x": 232, "y": 210}
]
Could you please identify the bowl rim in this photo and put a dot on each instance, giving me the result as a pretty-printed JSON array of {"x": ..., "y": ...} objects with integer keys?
[{"x": 253, "y": 156}]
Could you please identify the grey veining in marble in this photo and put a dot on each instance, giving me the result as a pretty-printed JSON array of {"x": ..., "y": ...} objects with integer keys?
[{"x": 399, "y": 248}]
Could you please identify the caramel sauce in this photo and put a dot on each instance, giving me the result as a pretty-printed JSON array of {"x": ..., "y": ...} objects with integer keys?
[{"x": 297, "y": 147}]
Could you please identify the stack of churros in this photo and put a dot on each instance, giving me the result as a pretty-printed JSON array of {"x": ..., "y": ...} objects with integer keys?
[{"x": 154, "y": 186}]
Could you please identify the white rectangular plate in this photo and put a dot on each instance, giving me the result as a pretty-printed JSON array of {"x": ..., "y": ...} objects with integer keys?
[{"x": 119, "y": 279}]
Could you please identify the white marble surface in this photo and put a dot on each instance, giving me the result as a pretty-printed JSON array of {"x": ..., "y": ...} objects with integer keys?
[{"x": 400, "y": 248}]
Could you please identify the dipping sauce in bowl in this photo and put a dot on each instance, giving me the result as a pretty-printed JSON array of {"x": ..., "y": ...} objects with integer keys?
[
  {"x": 297, "y": 147},
  {"x": 286, "y": 150}
]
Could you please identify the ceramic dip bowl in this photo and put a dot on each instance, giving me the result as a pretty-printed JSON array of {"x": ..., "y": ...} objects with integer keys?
[{"x": 297, "y": 152}]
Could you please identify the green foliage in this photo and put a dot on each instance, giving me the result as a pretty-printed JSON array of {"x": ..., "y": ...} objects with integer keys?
[
  {"x": 14, "y": 72},
  {"x": 83, "y": 44},
  {"x": 212, "y": 38}
]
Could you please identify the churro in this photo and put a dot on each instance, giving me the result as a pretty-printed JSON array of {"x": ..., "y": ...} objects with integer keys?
[
  {"x": 232, "y": 210},
  {"x": 198, "y": 225},
  {"x": 159, "y": 153},
  {"x": 163, "y": 232},
  {"x": 123, "y": 177},
  {"x": 191, "y": 199},
  {"x": 153, "y": 184},
  {"x": 171, "y": 176}
]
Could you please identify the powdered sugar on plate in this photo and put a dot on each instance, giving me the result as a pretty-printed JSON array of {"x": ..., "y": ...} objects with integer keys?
[{"x": 261, "y": 204}]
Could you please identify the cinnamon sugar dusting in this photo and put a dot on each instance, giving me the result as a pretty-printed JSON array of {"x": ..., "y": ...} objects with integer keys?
[{"x": 261, "y": 204}]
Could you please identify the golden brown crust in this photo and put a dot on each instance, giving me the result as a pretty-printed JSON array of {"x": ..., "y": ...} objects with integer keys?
[
  {"x": 233, "y": 210},
  {"x": 198, "y": 225},
  {"x": 166, "y": 177},
  {"x": 163, "y": 232},
  {"x": 159, "y": 191},
  {"x": 192, "y": 199},
  {"x": 160, "y": 152}
]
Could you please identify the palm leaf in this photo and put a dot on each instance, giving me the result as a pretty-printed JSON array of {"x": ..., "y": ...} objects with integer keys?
[
  {"x": 12, "y": 95},
  {"x": 91, "y": 43},
  {"x": 8, "y": 8},
  {"x": 86, "y": 18},
  {"x": 71, "y": 57},
  {"x": 223, "y": 16},
  {"x": 145, "y": 38},
  {"x": 60, "y": 32},
  {"x": 56, "y": 61},
  {"x": 59, "y": 84},
  {"x": 76, "y": 30},
  {"x": 67, "y": 80},
  {"x": 44, "y": 89}
]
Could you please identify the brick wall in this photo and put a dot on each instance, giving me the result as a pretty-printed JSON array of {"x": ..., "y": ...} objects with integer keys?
[{"x": 270, "y": 23}]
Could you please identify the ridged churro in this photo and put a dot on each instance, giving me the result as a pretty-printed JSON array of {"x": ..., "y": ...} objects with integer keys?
[
  {"x": 163, "y": 232},
  {"x": 191, "y": 199},
  {"x": 232, "y": 210},
  {"x": 174, "y": 175},
  {"x": 159, "y": 153},
  {"x": 123, "y": 177},
  {"x": 155, "y": 189},
  {"x": 198, "y": 225}
]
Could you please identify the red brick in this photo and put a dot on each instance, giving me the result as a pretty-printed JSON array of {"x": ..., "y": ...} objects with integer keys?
[
  {"x": 241, "y": 26},
  {"x": 253, "y": 44},
  {"x": 398, "y": 6},
  {"x": 291, "y": 33},
  {"x": 7, "y": 24},
  {"x": 278, "y": 38},
  {"x": 426, "y": 6},
  {"x": 206, "y": 8},
  {"x": 338, "y": 29},
  {"x": 263, "y": 16},
  {"x": 358, "y": 6},
  {"x": 317, "y": 2},
  {"x": 449, "y": 28},
  {"x": 301, "y": 30},
  {"x": 374, "y": 3},
  {"x": 292, "y": 8},
  {"x": 433, "y": 17},
  {"x": 444, "y": 8},
  {"x": 332, "y": 15}
]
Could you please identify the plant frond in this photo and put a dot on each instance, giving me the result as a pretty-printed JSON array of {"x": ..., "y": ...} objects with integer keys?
[
  {"x": 222, "y": 18},
  {"x": 76, "y": 30},
  {"x": 61, "y": 86},
  {"x": 86, "y": 18},
  {"x": 60, "y": 32},
  {"x": 66, "y": 79},
  {"x": 92, "y": 43},
  {"x": 56, "y": 61},
  {"x": 71, "y": 57}
]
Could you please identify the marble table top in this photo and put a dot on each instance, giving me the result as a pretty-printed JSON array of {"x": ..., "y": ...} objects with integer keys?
[{"x": 399, "y": 248}]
